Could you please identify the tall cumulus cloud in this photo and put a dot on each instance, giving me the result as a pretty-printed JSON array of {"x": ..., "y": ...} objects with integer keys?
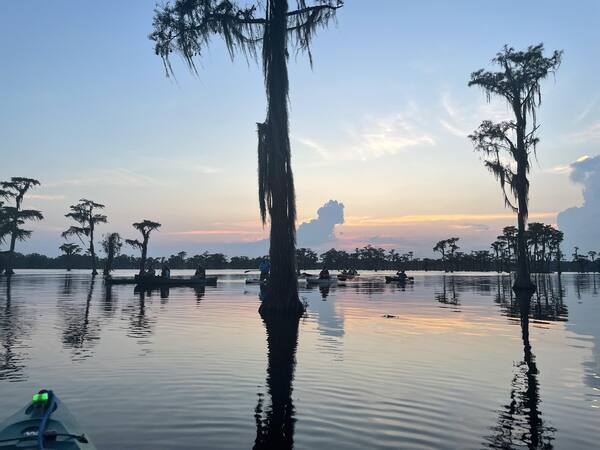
[
  {"x": 581, "y": 225},
  {"x": 321, "y": 230}
]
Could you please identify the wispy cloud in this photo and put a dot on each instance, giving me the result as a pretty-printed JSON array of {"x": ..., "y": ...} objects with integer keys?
[
  {"x": 43, "y": 197},
  {"x": 589, "y": 134},
  {"x": 567, "y": 168},
  {"x": 389, "y": 135},
  {"x": 453, "y": 129},
  {"x": 460, "y": 120},
  {"x": 560, "y": 169},
  {"x": 375, "y": 137},
  {"x": 588, "y": 109},
  {"x": 313, "y": 145},
  {"x": 182, "y": 164},
  {"x": 470, "y": 227},
  {"x": 118, "y": 177},
  {"x": 216, "y": 233}
]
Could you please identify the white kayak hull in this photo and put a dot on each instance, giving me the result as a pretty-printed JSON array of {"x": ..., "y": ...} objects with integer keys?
[{"x": 321, "y": 281}]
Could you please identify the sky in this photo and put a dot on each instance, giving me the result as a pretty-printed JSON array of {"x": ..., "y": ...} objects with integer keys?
[{"x": 378, "y": 125}]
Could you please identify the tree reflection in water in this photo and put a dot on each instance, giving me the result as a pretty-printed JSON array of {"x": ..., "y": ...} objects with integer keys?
[
  {"x": 547, "y": 304},
  {"x": 79, "y": 333},
  {"x": 13, "y": 328},
  {"x": 443, "y": 297},
  {"x": 140, "y": 323},
  {"x": 67, "y": 286},
  {"x": 199, "y": 291},
  {"x": 324, "y": 290},
  {"x": 520, "y": 423},
  {"x": 275, "y": 422},
  {"x": 109, "y": 302}
]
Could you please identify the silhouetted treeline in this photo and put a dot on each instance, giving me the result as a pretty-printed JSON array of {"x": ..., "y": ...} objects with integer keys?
[{"x": 366, "y": 258}]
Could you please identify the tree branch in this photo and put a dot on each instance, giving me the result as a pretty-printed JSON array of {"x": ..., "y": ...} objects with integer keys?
[{"x": 310, "y": 9}]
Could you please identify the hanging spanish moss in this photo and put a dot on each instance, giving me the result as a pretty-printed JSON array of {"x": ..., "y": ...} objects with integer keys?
[
  {"x": 185, "y": 27},
  {"x": 507, "y": 146}
]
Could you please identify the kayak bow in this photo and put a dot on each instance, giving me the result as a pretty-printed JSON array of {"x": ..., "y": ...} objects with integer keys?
[{"x": 45, "y": 423}]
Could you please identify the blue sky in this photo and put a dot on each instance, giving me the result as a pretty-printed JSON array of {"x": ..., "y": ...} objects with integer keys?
[{"x": 378, "y": 123}]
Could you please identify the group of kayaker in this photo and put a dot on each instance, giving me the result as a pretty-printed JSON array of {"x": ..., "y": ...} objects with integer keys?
[
  {"x": 165, "y": 272},
  {"x": 349, "y": 272},
  {"x": 265, "y": 269}
]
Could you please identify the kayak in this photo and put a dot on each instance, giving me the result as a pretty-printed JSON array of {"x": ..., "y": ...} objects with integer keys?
[
  {"x": 45, "y": 423},
  {"x": 304, "y": 276},
  {"x": 255, "y": 281},
  {"x": 345, "y": 276},
  {"x": 163, "y": 282},
  {"x": 398, "y": 280},
  {"x": 321, "y": 281},
  {"x": 342, "y": 277}
]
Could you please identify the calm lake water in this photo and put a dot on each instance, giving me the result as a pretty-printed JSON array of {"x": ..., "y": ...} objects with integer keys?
[{"x": 444, "y": 363}]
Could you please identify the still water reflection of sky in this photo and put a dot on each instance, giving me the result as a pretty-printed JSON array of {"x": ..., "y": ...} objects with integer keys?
[{"x": 449, "y": 362}]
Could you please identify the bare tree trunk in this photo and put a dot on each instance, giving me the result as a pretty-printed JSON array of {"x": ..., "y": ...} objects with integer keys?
[
  {"x": 523, "y": 278},
  {"x": 11, "y": 253},
  {"x": 144, "y": 256},
  {"x": 13, "y": 237},
  {"x": 92, "y": 251},
  {"x": 282, "y": 295}
]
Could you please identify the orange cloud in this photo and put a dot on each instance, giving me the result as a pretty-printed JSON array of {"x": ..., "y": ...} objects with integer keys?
[
  {"x": 216, "y": 233},
  {"x": 362, "y": 221}
]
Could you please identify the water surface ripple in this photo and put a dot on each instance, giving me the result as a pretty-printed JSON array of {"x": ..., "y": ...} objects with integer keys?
[{"x": 449, "y": 362}]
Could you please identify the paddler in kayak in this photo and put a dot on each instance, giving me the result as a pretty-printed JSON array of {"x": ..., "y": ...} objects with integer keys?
[
  {"x": 150, "y": 272},
  {"x": 324, "y": 274},
  {"x": 401, "y": 276},
  {"x": 265, "y": 268},
  {"x": 200, "y": 272}
]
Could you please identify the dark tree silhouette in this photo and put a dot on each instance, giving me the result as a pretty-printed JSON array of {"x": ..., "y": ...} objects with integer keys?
[
  {"x": 441, "y": 247},
  {"x": 306, "y": 258},
  {"x": 447, "y": 248},
  {"x": 452, "y": 248},
  {"x": 111, "y": 244},
  {"x": 520, "y": 423},
  {"x": 509, "y": 235},
  {"x": 3, "y": 219},
  {"x": 579, "y": 259},
  {"x": 186, "y": 27},
  {"x": 145, "y": 227},
  {"x": 592, "y": 255},
  {"x": 69, "y": 250},
  {"x": 556, "y": 239},
  {"x": 518, "y": 82},
  {"x": 84, "y": 213},
  {"x": 275, "y": 423},
  {"x": 14, "y": 217},
  {"x": 498, "y": 246}
]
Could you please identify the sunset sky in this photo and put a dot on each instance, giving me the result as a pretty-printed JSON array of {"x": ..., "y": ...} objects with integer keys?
[{"x": 378, "y": 124}]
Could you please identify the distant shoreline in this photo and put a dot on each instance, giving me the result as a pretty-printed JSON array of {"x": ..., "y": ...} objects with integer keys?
[{"x": 219, "y": 261}]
